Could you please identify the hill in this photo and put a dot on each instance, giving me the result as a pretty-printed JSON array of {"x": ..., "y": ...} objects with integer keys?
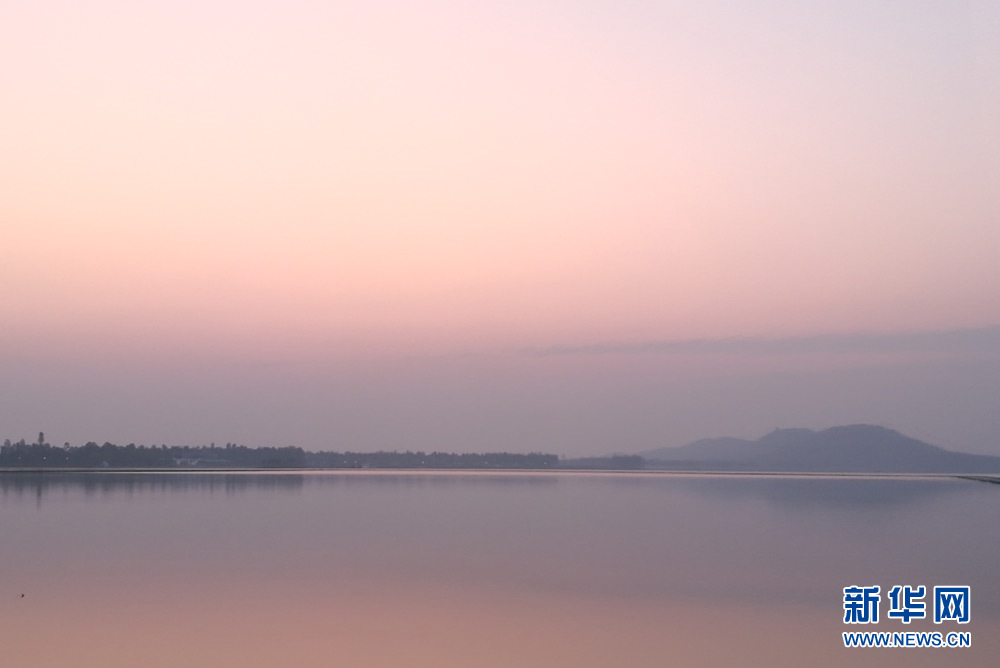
[{"x": 855, "y": 448}]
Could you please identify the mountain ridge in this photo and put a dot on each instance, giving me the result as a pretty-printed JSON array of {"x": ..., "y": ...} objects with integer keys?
[{"x": 856, "y": 448}]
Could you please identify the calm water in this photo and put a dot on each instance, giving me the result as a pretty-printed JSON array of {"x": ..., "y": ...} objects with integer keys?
[{"x": 474, "y": 569}]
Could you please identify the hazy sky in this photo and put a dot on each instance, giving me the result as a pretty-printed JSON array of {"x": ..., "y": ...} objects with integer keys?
[{"x": 569, "y": 226}]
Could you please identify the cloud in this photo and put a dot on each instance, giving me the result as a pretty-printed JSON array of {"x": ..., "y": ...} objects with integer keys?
[{"x": 978, "y": 340}]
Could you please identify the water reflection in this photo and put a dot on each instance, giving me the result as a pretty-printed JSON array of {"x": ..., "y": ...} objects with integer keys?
[
  {"x": 812, "y": 492},
  {"x": 458, "y": 569},
  {"x": 37, "y": 485},
  {"x": 106, "y": 484},
  {"x": 781, "y": 490}
]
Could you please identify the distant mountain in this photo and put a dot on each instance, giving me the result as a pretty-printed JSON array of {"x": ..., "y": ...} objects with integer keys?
[{"x": 858, "y": 448}]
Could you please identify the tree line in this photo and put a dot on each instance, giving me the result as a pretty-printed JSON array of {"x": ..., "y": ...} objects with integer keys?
[{"x": 91, "y": 455}]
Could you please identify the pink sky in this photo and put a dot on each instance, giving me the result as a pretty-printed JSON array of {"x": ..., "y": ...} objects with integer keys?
[{"x": 329, "y": 182}]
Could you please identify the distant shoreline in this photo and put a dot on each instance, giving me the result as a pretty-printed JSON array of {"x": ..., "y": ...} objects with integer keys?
[{"x": 507, "y": 471}]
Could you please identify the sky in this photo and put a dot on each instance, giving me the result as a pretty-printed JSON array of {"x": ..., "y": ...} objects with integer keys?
[{"x": 577, "y": 227}]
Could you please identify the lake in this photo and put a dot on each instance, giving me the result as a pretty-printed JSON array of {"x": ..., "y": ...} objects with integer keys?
[{"x": 469, "y": 569}]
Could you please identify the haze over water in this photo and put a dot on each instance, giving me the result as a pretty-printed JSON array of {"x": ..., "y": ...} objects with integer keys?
[{"x": 479, "y": 569}]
